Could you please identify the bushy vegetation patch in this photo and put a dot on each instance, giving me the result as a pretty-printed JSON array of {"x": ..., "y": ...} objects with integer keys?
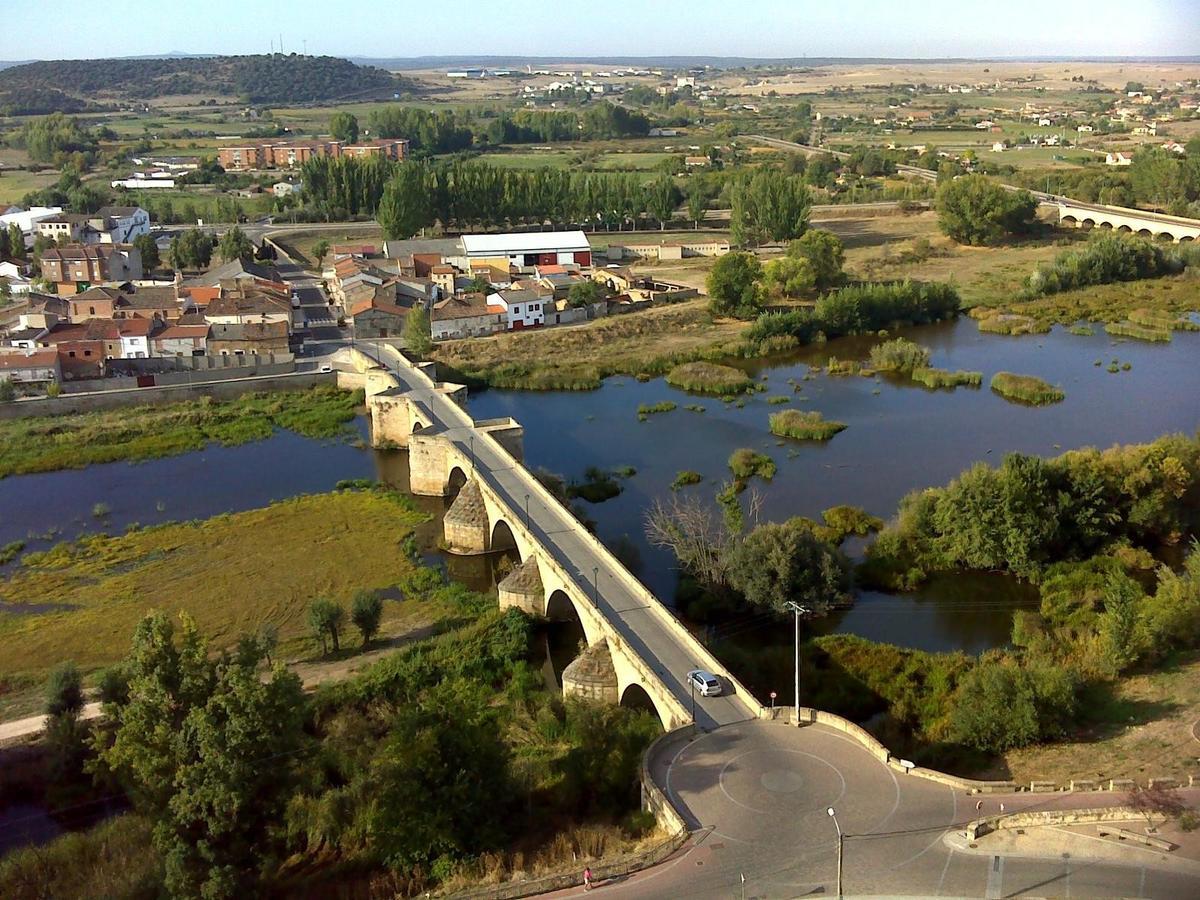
[
  {"x": 1104, "y": 259},
  {"x": 709, "y": 378},
  {"x": 1026, "y": 389},
  {"x": 1011, "y": 324},
  {"x": 945, "y": 379},
  {"x": 899, "y": 355},
  {"x": 1138, "y": 332},
  {"x": 804, "y": 425},
  {"x": 745, "y": 463}
]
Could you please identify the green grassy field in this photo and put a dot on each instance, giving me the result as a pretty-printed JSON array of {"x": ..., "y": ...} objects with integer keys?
[
  {"x": 232, "y": 574},
  {"x": 15, "y": 184}
]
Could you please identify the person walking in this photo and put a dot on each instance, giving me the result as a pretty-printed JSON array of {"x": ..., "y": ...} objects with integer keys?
[{"x": 587, "y": 878}]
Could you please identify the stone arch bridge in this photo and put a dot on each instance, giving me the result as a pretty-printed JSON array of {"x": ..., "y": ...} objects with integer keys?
[
  {"x": 1076, "y": 214},
  {"x": 637, "y": 652}
]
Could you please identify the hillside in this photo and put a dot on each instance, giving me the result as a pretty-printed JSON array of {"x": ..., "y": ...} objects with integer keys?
[{"x": 275, "y": 78}]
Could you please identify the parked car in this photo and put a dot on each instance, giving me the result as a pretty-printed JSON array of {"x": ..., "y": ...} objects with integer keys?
[{"x": 706, "y": 683}]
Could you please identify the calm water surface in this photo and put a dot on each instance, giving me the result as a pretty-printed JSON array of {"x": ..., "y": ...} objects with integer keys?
[{"x": 900, "y": 437}]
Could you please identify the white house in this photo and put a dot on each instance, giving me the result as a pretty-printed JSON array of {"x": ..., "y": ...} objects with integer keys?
[
  {"x": 135, "y": 337},
  {"x": 138, "y": 181},
  {"x": 285, "y": 188},
  {"x": 1085, "y": 129},
  {"x": 13, "y": 275},
  {"x": 523, "y": 309},
  {"x": 1118, "y": 159},
  {"x": 998, "y": 147},
  {"x": 122, "y": 223},
  {"x": 30, "y": 367},
  {"x": 27, "y": 219}
]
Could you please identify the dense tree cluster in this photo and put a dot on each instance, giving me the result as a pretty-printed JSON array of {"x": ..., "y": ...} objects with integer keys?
[
  {"x": 1030, "y": 512},
  {"x": 857, "y": 309},
  {"x": 599, "y": 121},
  {"x": 38, "y": 101},
  {"x": 768, "y": 205},
  {"x": 54, "y": 138},
  {"x": 973, "y": 209},
  {"x": 265, "y": 78},
  {"x": 1106, "y": 258}
]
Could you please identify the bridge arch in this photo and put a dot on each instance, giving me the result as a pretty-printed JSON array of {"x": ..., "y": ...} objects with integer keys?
[
  {"x": 1087, "y": 224},
  {"x": 454, "y": 482},
  {"x": 1124, "y": 229},
  {"x": 1070, "y": 220},
  {"x": 1106, "y": 226},
  {"x": 503, "y": 540},
  {"x": 1186, "y": 239},
  {"x": 1145, "y": 232},
  {"x": 561, "y": 607},
  {"x": 637, "y": 697}
]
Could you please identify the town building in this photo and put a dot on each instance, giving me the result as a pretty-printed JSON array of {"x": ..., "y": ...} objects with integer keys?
[
  {"x": 522, "y": 308},
  {"x": 27, "y": 219},
  {"x": 108, "y": 225},
  {"x": 240, "y": 339},
  {"x": 379, "y": 316},
  {"x": 76, "y": 267},
  {"x": 31, "y": 367},
  {"x": 1118, "y": 159},
  {"x": 465, "y": 316},
  {"x": 180, "y": 340},
  {"x": 527, "y": 250},
  {"x": 293, "y": 154}
]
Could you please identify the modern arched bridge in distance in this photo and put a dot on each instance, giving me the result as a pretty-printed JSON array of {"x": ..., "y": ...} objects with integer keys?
[{"x": 638, "y": 653}]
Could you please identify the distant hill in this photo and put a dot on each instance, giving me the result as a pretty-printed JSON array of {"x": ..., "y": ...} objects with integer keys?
[{"x": 275, "y": 78}]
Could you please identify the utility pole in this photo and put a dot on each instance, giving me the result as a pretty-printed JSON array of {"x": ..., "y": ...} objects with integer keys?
[
  {"x": 797, "y": 610},
  {"x": 841, "y": 840}
]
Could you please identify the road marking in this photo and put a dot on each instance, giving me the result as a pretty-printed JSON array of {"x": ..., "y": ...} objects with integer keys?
[
  {"x": 995, "y": 878},
  {"x": 945, "y": 869},
  {"x": 1142, "y": 882},
  {"x": 731, "y": 799}
]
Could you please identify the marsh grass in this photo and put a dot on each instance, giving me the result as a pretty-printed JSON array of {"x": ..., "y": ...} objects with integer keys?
[
  {"x": 645, "y": 410},
  {"x": 709, "y": 378},
  {"x": 1026, "y": 389},
  {"x": 1011, "y": 324},
  {"x": 49, "y": 443},
  {"x": 804, "y": 425},
  {"x": 1139, "y": 332},
  {"x": 945, "y": 379},
  {"x": 684, "y": 478}
]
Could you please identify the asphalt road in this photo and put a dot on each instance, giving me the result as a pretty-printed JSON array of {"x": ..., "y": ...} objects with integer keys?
[
  {"x": 658, "y": 645},
  {"x": 757, "y": 795}
]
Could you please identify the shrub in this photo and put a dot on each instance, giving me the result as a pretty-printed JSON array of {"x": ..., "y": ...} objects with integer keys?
[
  {"x": 943, "y": 378},
  {"x": 709, "y": 378},
  {"x": 64, "y": 691},
  {"x": 899, "y": 355},
  {"x": 646, "y": 410},
  {"x": 366, "y": 611},
  {"x": 1026, "y": 389},
  {"x": 804, "y": 425},
  {"x": 975, "y": 210},
  {"x": 746, "y": 463},
  {"x": 684, "y": 478},
  {"x": 1138, "y": 332},
  {"x": 1104, "y": 259}
]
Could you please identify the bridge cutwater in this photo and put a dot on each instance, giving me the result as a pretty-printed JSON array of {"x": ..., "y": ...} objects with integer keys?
[{"x": 635, "y": 645}]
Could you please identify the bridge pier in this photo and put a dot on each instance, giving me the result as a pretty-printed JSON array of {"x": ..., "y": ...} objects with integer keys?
[
  {"x": 466, "y": 522},
  {"x": 522, "y": 589},
  {"x": 592, "y": 675}
]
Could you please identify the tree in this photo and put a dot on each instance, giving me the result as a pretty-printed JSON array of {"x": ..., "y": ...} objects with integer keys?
[
  {"x": 325, "y": 618},
  {"x": 405, "y": 207},
  {"x": 769, "y": 205},
  {"x": 14, "y": 242},
  {"x": 1119, "y": 625},
  {"x": 417, "y": 337},
  {"x": 661, "y": 199},
  {"x": 824, "y": 252},
  {"x": 234, "y": 244},
  {"x": 148, "y": 247},
  {"x": 191, "y": 250},
  {"x": 8, "y": 390},
  {"x": 789, "y": 276},
  {"x": 344, "y": 127},
  {"x": 585, "y": 293},
  {"x": 206, "y": 749},
  {"x": 733, "y": 287},
  {"x": 697, "y": 203},
  {"x": 1000, "y": 705},
  {"x": 776, "y": 563},
  {"x": 366, "y": 610},
  {"x": 320, "y": 250},
  {"x": 64, "y": 691},
  {"x": 974, "y": 210}
]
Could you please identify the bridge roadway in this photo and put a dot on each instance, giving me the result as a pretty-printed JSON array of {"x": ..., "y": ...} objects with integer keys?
[{"x": 645, "y": 630}]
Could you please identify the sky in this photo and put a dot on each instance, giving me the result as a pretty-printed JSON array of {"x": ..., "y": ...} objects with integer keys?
[{"x": 568, "y": 28}]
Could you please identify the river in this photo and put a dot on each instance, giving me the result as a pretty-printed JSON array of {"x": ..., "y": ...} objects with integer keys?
[{"x": 899, "y": 437}]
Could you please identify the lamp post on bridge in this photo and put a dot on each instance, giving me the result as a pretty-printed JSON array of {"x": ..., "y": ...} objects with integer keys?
[
  {"x": 841, "y": 840},
  {"x": 527, "y": 528},
  {"x": 596, "y": 586},
  {"x": 797, "y": 611},
  {"x": 471, "y": 439}
]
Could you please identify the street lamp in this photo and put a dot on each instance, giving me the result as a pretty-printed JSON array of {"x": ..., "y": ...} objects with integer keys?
[
  {"x": 527, "y": 528},
  {"x": 797, "y": 611},
  {"x": 471, "y": 439},
  {"x": 833, "y": 815},
  {"x": 596, "y": 586}
]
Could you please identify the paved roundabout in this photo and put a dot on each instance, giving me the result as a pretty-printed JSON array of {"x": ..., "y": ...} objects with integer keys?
[{"x": 756, "y": 795}]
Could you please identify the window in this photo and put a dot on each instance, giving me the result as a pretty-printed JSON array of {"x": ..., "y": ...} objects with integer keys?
[
  {"x": 85, "y": 353},
  {"x": 91, "y": 310},
  {"x": 516, "y": 310}
]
